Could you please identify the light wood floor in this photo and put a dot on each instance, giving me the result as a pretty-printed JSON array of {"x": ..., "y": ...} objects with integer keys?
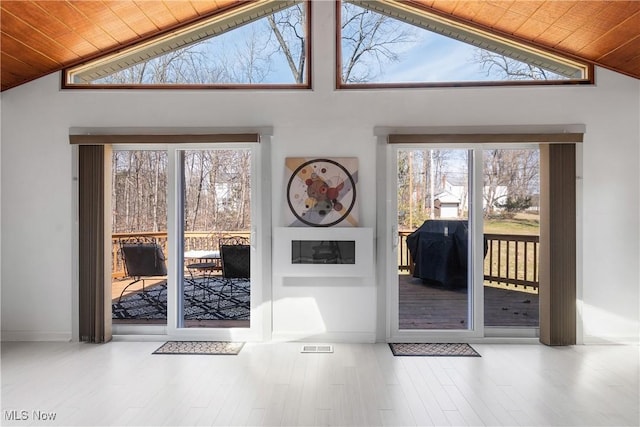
[{"x": 122, "y": 383}]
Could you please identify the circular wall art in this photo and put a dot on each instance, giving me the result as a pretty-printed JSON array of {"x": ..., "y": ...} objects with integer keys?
[{"x": 321, "y": 192}]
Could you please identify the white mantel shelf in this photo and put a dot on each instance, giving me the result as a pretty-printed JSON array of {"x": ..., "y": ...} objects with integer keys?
[{"x": 282, "y": 257}]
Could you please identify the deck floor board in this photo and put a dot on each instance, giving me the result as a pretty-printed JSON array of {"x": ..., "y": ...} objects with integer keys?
[
  {"x": 426, "y": 306},
  {"x": 422, "y": 306}
]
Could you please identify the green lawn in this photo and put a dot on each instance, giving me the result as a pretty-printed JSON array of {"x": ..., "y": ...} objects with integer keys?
[{"x": 522, "y": 224}]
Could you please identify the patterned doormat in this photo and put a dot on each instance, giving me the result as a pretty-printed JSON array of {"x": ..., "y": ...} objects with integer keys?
[
  {"x": 200, "y": 347},
  {"x": 432, "y": 349}
]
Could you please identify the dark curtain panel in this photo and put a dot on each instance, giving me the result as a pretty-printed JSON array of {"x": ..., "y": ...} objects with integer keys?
[
  {"x": 95, "y": 307},
  {"x": 558, "y": 244}
]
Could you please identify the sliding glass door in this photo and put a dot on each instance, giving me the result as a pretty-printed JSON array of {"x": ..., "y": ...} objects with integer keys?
[
  {"x": 434, "y": 263},
  {"x": 511, "y": 223},
  {"x": 186, "y": 246},
  {"x": 216, "y": 238},
  {"x": 465, "y": 244},
  {"x": 139, "y": 237}
]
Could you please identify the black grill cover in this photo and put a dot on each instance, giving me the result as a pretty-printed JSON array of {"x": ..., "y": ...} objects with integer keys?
[{"x": 439, "y": 249}]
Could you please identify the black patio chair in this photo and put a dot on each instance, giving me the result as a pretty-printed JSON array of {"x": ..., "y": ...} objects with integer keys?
[
  {"x": 235, "y": 256},
  {"x": 142, "y": 258}
]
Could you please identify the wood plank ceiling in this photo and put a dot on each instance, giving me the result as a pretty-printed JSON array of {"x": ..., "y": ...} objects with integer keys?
[{"x": 40, "y": 37}]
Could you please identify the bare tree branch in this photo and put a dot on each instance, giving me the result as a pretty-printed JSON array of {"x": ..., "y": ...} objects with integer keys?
[
  {"x": 283, "y": 44},
  {"x": 369, "y": 40},
  {"x": 287, "y": 27},
  {"x": 503, "y": 67}
]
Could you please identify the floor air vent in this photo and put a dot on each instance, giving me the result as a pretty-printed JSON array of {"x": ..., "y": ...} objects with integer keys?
[{"x": 317, "y": 348}]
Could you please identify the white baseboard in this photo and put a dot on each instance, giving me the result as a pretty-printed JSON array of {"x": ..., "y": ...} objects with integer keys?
[
  {"x": 125, "y": 329},
  {"x": 8, "y": 336},
  {"x": 593, "y": 340},
  {"x": 140, "y": 338},
  {"x": 331, "y": 337}
]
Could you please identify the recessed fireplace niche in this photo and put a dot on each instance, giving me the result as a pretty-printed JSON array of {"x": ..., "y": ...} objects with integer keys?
[{"x": 323, "y": 252}]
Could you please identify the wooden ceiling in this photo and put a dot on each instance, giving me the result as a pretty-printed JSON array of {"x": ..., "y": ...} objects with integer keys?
[{"x": 41, "y": 37}]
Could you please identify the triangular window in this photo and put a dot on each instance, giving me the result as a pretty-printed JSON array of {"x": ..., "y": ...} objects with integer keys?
[
  {"x": 261, "y": 43},
  {"x": 392, "y": 43}
]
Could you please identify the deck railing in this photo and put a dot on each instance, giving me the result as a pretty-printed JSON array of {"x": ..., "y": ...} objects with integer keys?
[
  {"x": 193, "y": 240},
  {"x": 404, "y": 257},
  {"x": 511, "y": 259}
]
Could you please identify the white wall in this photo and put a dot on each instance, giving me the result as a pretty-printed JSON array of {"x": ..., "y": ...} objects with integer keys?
[
  {"x": 37, "y": 218},
  {"x": 610, "y": 244}
]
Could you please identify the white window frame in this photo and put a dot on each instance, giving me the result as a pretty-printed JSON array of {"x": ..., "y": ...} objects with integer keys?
[
  {"x": 476, "y": 307},
  {"x": 260, "y": 317},
  {"x": 387, "y": 269}
]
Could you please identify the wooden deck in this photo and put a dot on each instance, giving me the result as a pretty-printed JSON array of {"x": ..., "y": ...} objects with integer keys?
[
  {"x": 424, "y": 306},
  {"x": 117, "y": 285}
]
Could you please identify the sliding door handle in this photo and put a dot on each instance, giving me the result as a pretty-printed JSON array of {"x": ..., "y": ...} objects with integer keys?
[
  {"x": 252, "y": 238},
  {"x": 394, "y": 237}
]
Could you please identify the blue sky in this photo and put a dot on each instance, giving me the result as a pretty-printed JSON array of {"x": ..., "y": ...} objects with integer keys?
[
  {"x": 432, "y": 58},
  {"x": 429, "y": 57},
  {"x": 435, "y": 58}
]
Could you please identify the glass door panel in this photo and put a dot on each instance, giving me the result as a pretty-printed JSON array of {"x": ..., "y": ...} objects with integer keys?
[
  {"x": 139, "y": 240},
  {"x": 434, "y": 239},
  {"x": 511, "y": 213},
  {"x": 216, "y": 222}
]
